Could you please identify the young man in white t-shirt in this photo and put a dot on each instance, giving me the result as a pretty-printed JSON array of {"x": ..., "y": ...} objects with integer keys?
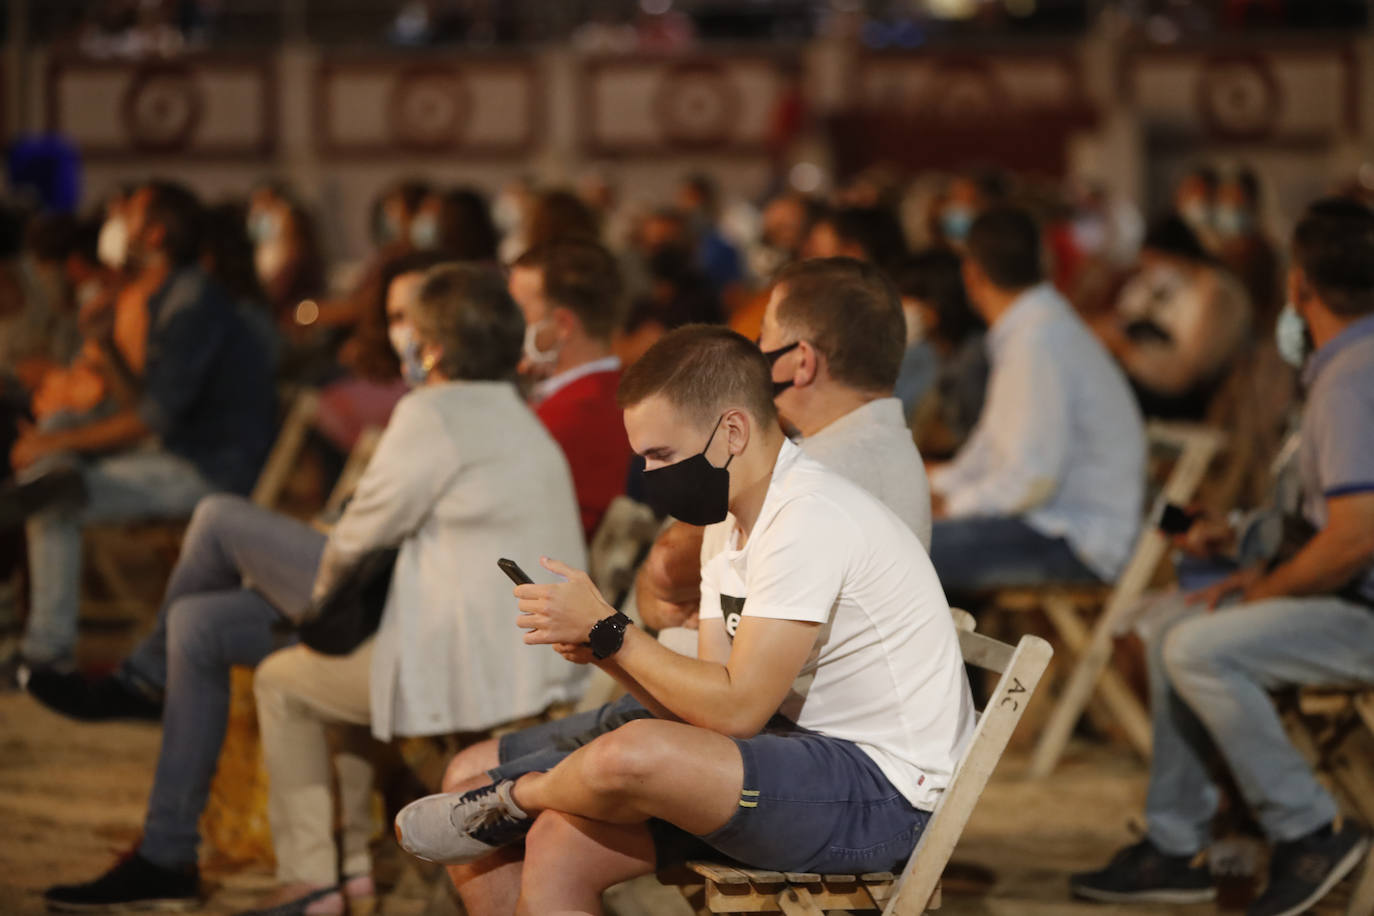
[{"x": 829, "y": 677}]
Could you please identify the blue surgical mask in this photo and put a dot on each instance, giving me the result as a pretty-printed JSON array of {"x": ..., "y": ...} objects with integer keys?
[
  {"x": 1232, "y": 221},
  {"x": 263, "y": 227},
  {"x": 412, "y": 364},
  {"x": 1291, "y": 335},
  {"x": 955, "y": 222},
  {"x": 424, "y": 232}
]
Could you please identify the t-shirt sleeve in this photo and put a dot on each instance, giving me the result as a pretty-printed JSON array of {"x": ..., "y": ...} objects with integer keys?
[
  {"x": 1344, "y": 433},
  {"x": 797, "y": 567}
]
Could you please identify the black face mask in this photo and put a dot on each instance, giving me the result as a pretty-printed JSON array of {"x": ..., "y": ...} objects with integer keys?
[
  {"x": 773, "y": 356},
  {"x": 693, "y": 490}
]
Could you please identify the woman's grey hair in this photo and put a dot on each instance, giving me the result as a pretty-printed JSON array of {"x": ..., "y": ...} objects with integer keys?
[{"x": 465, "y": 310}]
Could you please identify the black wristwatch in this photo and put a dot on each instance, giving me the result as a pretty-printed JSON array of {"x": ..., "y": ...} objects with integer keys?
[{"x": 607, "y": 635}]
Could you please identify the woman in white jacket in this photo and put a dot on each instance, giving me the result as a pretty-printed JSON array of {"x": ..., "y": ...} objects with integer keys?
[{"x": 463, "y": 475}]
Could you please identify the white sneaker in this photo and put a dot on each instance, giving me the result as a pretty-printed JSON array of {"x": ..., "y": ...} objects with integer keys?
[{"x": 454, "y": 828}]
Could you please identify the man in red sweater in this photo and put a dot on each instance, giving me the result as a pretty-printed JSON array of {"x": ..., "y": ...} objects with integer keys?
[{"x": 569, "y": 291}]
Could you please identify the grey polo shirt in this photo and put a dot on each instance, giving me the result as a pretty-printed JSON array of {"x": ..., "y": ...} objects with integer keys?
[{"x": 1337, "y": 456}]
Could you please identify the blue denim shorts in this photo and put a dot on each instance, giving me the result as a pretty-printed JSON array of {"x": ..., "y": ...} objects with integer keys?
[
  {"x": 810, "y": 803},
  {"x": 539, "y": 748}
]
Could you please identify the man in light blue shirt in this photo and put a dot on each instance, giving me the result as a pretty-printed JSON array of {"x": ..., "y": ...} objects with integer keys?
[
  {"x": 1305, "y": 618},
  {"x": 1050, "y": 485}
]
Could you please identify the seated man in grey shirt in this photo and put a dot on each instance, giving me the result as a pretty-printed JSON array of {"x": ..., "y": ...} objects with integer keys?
[
  {"x": 834, "y": 333},
  {"x": 1306, "y": 619}
]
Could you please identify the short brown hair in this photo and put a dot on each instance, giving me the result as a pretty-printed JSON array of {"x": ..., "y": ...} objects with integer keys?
[
  {"x": 582, "y": 277},
  {"x": 1005, "y": 243},
  {"x": 851, "y": 313},
  {"x": 464, "y": 309},
  {"x": 703, "y": 370}
]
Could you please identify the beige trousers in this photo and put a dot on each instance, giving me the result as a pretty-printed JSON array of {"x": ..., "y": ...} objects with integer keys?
[{"x": 302, "y": 696}]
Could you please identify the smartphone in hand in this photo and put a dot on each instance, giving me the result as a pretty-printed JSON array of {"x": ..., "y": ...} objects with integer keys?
[
  {"x": 513, "y": 570},
  {"x": 1176, "y": 520}
]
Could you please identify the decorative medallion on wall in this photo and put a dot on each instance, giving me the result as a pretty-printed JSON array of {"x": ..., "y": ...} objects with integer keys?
[
  {"x": 213, "y": 106},
  {"x": 381, "y": 105}
]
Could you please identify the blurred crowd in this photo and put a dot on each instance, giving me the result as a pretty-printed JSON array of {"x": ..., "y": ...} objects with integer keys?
[{"x": 1020, "y": 334}]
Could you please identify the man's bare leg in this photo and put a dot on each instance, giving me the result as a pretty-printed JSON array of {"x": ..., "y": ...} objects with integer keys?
[
  {"x": 491, "y": 886},
  {"x": 574, "y": 860}
]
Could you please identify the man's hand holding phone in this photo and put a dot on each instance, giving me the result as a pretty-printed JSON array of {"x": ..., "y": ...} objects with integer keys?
[{"x": 562, "y": 614}]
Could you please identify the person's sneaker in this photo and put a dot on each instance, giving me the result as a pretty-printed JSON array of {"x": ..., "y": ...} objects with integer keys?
[
  {"x": 1305, "y": 870},
  {"x": 133, "y": 884},
  {"x": 100, "y": 700},
  {"x": 1143, "y": 874},
  {"x": 453, "y": 829}
]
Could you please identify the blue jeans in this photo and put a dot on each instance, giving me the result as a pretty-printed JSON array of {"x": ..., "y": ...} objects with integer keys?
[
  {"x": 975, "y": 554},
  {"x": 241, "y": 569},
  {"x": 1211, "y": 676},
  {"x": 132, "y": 486}
]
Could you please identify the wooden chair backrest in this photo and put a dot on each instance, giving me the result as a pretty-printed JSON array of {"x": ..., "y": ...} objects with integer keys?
[
  {"x": 352, "y": 471},
  {"x": 1021, "y": 668},
  {"x": 623, "y": 537},
  {"x": 286, "y": 451}
]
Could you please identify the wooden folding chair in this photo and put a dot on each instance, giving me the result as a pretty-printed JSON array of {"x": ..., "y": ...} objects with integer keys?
[
  {"x": 1196, "y": 445},
  {"x": 625, "y": 534},
  {"x": 352, "y": 471},
  {"x": 728, "y": 889},
  {"x": 1324, "y": 724},
  {"x": 286, "y": 451}
]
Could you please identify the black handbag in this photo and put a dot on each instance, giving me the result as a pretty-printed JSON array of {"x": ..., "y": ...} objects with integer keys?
[{"x": 352, "y": 610}]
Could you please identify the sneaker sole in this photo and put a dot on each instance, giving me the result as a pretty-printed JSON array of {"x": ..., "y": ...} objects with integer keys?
[
  {"x": 134, "y": 906},
  {"x": 1338, "y": 874},
  {"x": 1179, "y": 896}
]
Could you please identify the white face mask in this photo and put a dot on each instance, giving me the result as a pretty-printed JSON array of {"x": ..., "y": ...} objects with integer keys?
[
  {"x": 112, "y": 245},
  {"x": 536, "y": 356},
  {"x": 506, "y": 213},
  {"x": 424, "y": 232},
  {"x": 1197, "y": 214},
  {"x": 1290, "y": 333},
  {"x": 400, "y": 335}
]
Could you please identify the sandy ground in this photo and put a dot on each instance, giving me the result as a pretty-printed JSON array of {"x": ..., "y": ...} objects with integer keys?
[{"x": 71, "y": 799}]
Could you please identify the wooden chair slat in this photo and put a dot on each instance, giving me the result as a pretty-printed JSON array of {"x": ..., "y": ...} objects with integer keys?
[
  {"x": 804, "y": 877},
  {"x": 720, "y": 874}
]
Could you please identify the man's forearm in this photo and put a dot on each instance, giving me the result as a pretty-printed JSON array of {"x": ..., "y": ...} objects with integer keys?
[
  {"x": 123, "y": 429},
  {"x": 691, "y": 690},
  {"x": 637, "y": 690},
  {"x": 1325, "y": 566}
]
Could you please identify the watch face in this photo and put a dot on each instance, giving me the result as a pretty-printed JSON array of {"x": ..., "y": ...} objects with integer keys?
[{"x": 607, "y": 635}]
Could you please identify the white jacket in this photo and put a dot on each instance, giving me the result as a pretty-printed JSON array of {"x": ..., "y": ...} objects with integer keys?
[{"x": 463, "y": 475}]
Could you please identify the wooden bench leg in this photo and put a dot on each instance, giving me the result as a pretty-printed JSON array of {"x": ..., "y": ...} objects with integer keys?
[{"x": 796, "y": 901}]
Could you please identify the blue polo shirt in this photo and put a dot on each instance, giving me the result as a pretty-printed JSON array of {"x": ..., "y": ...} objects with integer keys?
[
  {"x": 1337, "y": 456},
  {"x": 208, "y": 391}
]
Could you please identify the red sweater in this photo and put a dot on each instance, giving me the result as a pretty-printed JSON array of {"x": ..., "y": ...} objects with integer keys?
[{"x": 585, "y": 420}]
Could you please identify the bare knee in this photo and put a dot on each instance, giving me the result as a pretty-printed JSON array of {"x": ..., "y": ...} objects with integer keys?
[
  {"x": 622, "y": 758},
  {"x": 470, "y": 765}
]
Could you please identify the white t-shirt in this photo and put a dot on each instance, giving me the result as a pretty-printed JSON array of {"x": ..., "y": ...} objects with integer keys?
[{"x": 886, "y": 672}]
